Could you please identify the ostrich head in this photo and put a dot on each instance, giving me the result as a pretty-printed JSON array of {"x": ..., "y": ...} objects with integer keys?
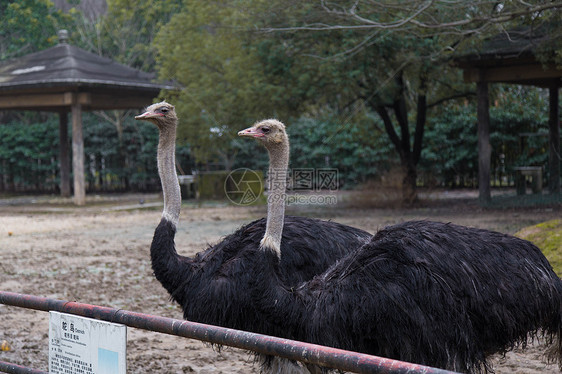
[
  {"x": 161, "y": 114},
  {"x": 270, "y": 132}
]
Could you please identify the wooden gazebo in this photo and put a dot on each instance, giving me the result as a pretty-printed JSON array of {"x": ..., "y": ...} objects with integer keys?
[
  {"x": 66, "y": 79},
  {"x": 512, "y": 58}
]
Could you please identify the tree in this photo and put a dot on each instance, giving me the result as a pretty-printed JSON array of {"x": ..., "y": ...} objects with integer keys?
[
  {"x": 397, "y": 54},
  {"x": 28, "y": 26},
  {"x": 129, "y": 27},
  {"x": 225, "y": 88}
]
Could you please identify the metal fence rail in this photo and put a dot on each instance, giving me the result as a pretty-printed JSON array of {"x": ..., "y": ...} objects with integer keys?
[
  {"x": 299, "y": 351},
  {"x": 7, "y": 367}
]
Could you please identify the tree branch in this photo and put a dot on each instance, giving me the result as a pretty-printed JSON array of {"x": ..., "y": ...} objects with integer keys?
[
  {"x": 401, "y": 113},
  {"x": 420, "y": 125},
  {"x": 381, "y": 110},
  {"x": 451, "y": 97},
  {"x": 366, "y": 23}
]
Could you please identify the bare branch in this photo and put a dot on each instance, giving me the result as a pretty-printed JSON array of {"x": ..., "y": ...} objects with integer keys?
[
  {"x": 365, "y": 23},
  {"x": 392, "y": 24},
  {"x": 349, "y": 52}
]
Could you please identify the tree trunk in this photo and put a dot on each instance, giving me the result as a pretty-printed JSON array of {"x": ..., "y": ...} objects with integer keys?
[
  {"x": 409, "y": 190},
  {"x": 484, "y": 147},
  {"x": 554, "y": 142},
  {"x": 409, "y": 154}
]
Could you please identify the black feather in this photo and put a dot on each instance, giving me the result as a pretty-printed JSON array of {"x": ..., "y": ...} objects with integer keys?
[
  {"x": 213, "y": 287},
  {"x": 431, "y": 293}
]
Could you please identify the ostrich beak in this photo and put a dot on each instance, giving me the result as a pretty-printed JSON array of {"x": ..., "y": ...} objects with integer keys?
[
  {"x": 147, "y": 115},
  {"x": 251, "y": 132}
]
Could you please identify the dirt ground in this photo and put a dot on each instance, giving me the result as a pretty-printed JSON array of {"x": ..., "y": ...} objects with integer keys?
[{"x": 99, "y": 254}]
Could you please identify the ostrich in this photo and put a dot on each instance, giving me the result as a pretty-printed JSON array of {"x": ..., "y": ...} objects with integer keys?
[
  {"x": 432, "y": 293},
  {"x": 212, "y": 287}
]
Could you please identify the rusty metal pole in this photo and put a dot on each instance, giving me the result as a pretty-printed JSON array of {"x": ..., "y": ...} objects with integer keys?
[
  {"x": 6, "y": 367},
  {"x": 305, "y": 352}
]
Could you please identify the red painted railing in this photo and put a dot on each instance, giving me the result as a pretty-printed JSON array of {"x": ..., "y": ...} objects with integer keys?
[
  {"x": 299, "y": 351},
  {"x": 7, "y": 367}
]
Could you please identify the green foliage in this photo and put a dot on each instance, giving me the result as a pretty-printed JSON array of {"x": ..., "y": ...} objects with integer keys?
[
  {"x": 106, "y": 168},
  {"x": 548, "y": 237},
  {"x": 519, "y": 126},
  {"x": 517, "y": 115},
  {"x": 128, "y": 28},
  {"x": 225, "y": 86},
  {"x": 358, "y": 152},
  {"x": 28, "y": 154},
  {"x": 28, "y": 26},
  {"x": 353, "y": 149},
  {"x": 450, "y": 152}
]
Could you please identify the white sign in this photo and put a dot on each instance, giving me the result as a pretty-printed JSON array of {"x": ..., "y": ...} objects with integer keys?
[{"x": 79, "y": 345}]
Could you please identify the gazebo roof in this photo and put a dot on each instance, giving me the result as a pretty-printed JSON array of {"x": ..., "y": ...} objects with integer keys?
[
  {"x": 511, "y": 57},
  {"x": 66, "y": 79},
  {"x": 100, "y": 82}
]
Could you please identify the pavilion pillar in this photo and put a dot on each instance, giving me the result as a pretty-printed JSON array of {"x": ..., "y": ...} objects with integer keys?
[
  {"x": 554, "y": 141},
  {"x": 64, "y": 155},
  {"x": 78, "y": 154},
  {"x": 484, "y": 147}
]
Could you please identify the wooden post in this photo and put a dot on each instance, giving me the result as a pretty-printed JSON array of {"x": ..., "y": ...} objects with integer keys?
[
  {"x": 78, "y": 154},
  {"x": 484, "y": 147},
  {"x": 64, "y": 155},
  {"x": 554, "y": 142}
]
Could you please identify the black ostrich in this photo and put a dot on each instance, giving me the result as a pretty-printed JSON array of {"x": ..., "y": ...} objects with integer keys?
[
  {"x": 213, "y": 286},
  {"x": 431, "y": 293}
]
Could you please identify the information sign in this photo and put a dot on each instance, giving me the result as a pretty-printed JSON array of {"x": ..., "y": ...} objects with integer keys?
[{"x": 79, "y": 345}]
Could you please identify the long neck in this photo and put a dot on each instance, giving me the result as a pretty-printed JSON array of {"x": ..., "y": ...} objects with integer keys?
[
  {"x": 170, "y": 269},
  {"x": 278, "y": 164},
  {"x": 168, "y": 176}
]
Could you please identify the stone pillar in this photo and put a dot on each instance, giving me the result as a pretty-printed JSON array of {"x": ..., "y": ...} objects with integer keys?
[{"x": 78, "y": 154}]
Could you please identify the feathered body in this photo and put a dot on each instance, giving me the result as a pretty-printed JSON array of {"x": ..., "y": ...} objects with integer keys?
[
  {"x": 214, "y": 286},
  {"x": 431, "y": 293}
]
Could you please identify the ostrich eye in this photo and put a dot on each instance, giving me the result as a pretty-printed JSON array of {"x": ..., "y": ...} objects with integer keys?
[
  {"x": 164, "y": 110},
  {"x": 265, "y": 130}
]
